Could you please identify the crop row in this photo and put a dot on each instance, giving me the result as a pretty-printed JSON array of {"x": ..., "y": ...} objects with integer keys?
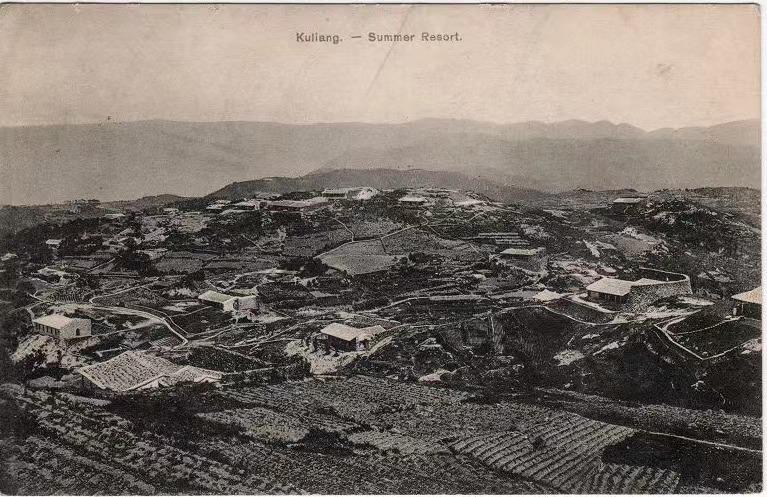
[
  {"x": 622, "y": 478},
  {"x": 158, "y": 462},
  {"x": 557, "y": 453},
  {"x": 357, "y": 391},
  {"x": 374, "y": 474},
  {"x": 73, "y": 473},
  {"x": 268, "y": 424}
]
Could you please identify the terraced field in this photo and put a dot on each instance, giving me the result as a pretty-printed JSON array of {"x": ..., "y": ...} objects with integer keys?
[
  {"x": 565, "y": 453},
  {"x": 342, "y": 435},
  {"x": 103, "y": 439}
]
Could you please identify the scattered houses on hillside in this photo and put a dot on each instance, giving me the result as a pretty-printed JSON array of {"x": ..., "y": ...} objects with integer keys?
[
  {"x": 501, "y": 239},
  {"x": 251, "y": 204},
  {"x": 298, "y": 207},
  {"x": 411, "y": 200},
  {"x": 350, "y": 193}
]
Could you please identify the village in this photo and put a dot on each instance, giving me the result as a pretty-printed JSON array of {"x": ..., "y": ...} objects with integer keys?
[{"x": 435, "y": 300}]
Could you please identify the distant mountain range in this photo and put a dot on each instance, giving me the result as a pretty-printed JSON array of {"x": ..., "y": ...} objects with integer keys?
[{"x": 113, "y": 161}]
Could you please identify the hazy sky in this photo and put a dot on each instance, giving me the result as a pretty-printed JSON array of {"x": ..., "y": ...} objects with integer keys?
[{"x": 650, "y": 65}]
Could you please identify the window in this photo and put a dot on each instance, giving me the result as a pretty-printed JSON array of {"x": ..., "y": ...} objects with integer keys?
[{"x": 77, "y": 332}]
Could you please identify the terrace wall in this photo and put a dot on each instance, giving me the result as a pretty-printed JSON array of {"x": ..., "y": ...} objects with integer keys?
[
  {"x": 580, "y": 311},
  {"x": 643, "y": 295},
  {"x": 277, "y": 374}
]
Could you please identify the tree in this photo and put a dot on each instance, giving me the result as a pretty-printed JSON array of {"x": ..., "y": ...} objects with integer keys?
[
  {"x": 132, "y": 260},
  {"x": 314, "y": 267},
  {"x": 40, "y": 253},
  {"x": 24, "y": 288}
]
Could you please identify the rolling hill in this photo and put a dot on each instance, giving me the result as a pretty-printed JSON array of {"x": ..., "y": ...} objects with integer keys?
[{"x": 381, "y": 179}]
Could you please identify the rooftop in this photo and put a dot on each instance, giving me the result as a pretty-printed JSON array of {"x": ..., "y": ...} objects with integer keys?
[
  {"x": 413, "y": 199},
  {"x": 56, "y": 321},
  {"x": 298, "y": 203},
  {"x": 213, "y": 296},
  {"x": 751, "y": 297},
  {"x": 133, "y": 370},
  {"x": 354, "y": 264},
  {"x": 611, "y": 286},
  {"x": 350, "y": 333},
  {"x": 522, "y": 252},
  {"x": 628, "y": 200}
]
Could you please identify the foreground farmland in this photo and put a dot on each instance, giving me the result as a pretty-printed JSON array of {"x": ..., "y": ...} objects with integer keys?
[{"x": 359, "y": 434}]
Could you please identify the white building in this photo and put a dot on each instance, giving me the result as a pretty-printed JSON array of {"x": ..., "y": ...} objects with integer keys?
[
  {"x": 346, "y": 338},
  {"x": 638, "y": 294},
  {"x": 62, "y": 327},
  {"x": 350, "y": 193},
  {"x": 229, "y": 303},
  {"x": 628, "y": 202},
  {"x": 299, "y": 207},
  {"x": 251, "y": 204},
  {"x": 413, "y": 200},
  {"x": 521, "y": 253}
]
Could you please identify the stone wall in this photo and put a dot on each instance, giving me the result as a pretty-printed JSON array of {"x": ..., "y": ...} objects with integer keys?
[{"x": 642, "y": 296}]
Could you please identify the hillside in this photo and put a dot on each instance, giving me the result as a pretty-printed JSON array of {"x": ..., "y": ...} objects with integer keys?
[
  {"x": 381, "y": 179},
  {"x": 143, "y": 203},
  {"x": 109, "y": 161}
]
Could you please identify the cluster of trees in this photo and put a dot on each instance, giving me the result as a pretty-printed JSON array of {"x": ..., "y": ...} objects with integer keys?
[{"x": 131, "y": 259}]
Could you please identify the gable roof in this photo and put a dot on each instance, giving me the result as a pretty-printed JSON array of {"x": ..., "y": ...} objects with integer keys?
[
  {"x": 337, "y": 191},
  {"x": 134, "y": 370},
  {"x": 751, "y": 297},
  {"x": 213, "y": 296},
  {"x": 522, "y": 252},
  {"x": 350, "y": 333},
  {"x": 57, "y": 321},
  {"x": 354, "y": 264},
  {"x": 611, "y": 286},
  {"x": 628, "y": 200},
  {"x": 413, "y": 199}
]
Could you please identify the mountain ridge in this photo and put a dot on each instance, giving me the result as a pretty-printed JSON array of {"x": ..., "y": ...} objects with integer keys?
[{"x": 115, "y": 161}]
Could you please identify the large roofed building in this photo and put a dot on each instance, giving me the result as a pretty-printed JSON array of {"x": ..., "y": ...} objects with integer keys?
[
  {"x": 640, "y": 292},
  {"x": 628, "y": 202},
  {"x": 229, "y": 303},
  {"x": 132, "y": 370},
  {"x": 609, "y": 289},
  {"x": 62, "y": 327},
  {"x": 350, "y": 193},
  {"x": 299, "y": 207},
  {"x": 348, "y": 338},
  {"x": 521, "y": 253}
]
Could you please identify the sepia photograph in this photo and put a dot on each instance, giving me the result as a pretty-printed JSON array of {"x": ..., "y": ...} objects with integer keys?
[{"x": 363, "y": 249}]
